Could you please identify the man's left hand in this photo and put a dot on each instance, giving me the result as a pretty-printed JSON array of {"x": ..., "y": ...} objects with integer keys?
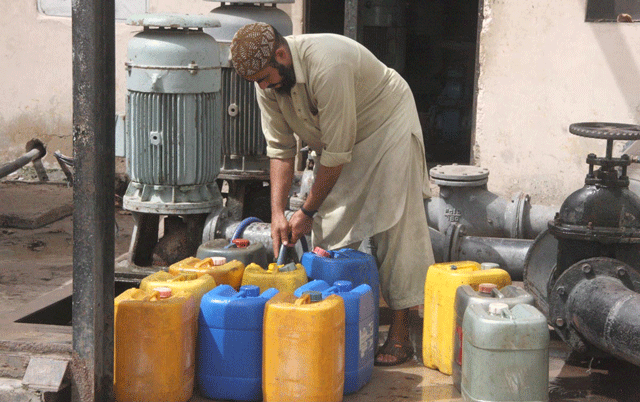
[{"x": 300, "y": 225}]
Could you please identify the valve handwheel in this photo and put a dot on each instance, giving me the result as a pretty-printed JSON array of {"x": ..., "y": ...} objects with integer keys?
[{"x": 606, "y": 131}]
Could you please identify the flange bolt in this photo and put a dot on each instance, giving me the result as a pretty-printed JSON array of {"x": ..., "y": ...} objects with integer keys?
[
  {"x": 586, "y": 268},
  {"x": 561, "y": 291},
  {"x": 621, "y": 272},
  {"x": 559, "y": 322}
]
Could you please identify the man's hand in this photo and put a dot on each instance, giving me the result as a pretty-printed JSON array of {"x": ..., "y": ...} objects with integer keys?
[
  {"x": 300, "y": 225},
  {"x": 280, "y": 232}
]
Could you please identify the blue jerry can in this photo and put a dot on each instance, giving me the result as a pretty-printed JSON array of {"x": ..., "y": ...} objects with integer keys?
[
  {"x": 230, "y": 342},
  {"x": 359, "y": 328},
  {"x": 346, "y": 265}
]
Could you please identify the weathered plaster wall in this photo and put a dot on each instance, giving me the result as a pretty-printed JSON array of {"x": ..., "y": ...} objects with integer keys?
[
  {"x": 36, "y": 81},
  {"x": 542, "y": 68}
]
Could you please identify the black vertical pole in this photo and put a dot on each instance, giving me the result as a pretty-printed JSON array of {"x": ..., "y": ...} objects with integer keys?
[
  {"x": 93, "y": 34},
  {"x": 352, "y": 20}
]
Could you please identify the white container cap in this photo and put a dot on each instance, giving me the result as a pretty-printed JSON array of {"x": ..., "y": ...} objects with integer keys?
[
  {"x": 218, "y": 260},
  {"x": 489, "y": 265},
  {"x": 497, "y": 308},
  {"x": 163, "y": 292}
]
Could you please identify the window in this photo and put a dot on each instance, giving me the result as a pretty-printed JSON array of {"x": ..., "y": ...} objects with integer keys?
[
  {"x": 610, "y": 10},
  {"x": 62, "y": 8}
]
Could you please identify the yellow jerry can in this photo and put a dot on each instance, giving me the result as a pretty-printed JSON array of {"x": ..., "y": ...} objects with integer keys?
[
  {"x": 440, "y": 288},
  {"x": 154, "y": 345},
  {"x": 188, "y": 282},
  {"x": 303, "y": 348},
  {"x": 285, "y": 278},
  {"x": 223, "y": 272}
]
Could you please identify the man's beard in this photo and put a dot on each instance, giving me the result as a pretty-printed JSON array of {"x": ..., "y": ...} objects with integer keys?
[{"x": 288, "y": 79}]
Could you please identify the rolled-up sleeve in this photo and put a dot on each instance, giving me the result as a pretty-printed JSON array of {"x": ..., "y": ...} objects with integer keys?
[
  {"x": 335, "y": 94},
  {"x": 281, "y": 143}
]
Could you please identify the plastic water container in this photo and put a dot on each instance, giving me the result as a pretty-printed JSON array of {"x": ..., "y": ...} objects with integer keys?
[
  {"x": 440, "y": 288},
  {"x": 244, "y": 251},
  {"x": 154, "y": 346},
  {"x": 230, "y": 343},
  {"x": 347, "y": 265},
  {"x": 506, "y": 354},
  {"x": 486, "y": 294},
  {"x": 303, "y": 351},
  {"x": 223, "y": 272},
  {"x": 359, "y": 336},
  {"x": 190, "y": 283},
  {"x": 285, "y": 277}
]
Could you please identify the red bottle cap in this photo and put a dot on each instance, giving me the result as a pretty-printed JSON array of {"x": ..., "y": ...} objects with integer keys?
[
  {"x": 321, "y": 252},
  {"x": 241, "y": 243},
  {"x": 486, "y": 287}
]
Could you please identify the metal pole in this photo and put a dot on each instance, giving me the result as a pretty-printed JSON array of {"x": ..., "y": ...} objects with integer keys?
[{"x": 93, "y": 34}]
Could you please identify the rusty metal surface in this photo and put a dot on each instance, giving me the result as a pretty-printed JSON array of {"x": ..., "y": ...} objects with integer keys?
[{"x": 93, "y": 33}]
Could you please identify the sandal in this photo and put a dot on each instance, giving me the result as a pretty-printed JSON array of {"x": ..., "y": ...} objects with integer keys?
[{"x": 402, "y": 353}]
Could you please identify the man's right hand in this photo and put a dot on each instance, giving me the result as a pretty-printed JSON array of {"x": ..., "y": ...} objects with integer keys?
[{"x": 280, "y": 232}]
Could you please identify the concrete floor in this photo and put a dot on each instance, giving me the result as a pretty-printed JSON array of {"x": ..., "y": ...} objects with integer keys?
[{"x": 36, "y": 261}]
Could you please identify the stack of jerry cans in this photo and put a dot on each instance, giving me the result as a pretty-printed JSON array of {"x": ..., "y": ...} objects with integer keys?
[
  {"x": 230, "y": 343},
  {"x": 348, "y": 265},
  {"x": 487, "y": 293},
  {"x": 223, "y": 272},
  {"x": 304, "y": 342},
  {"x": 440, "y": 288},
  {"x": 154, "y": 346},
  {"x": 359, "y": 321},
  {"x": 506, "y": 354},
  {"x": 285, "y": 277}
]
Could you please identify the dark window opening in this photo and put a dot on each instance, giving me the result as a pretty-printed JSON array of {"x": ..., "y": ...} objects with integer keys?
[{"x": 613, "y": 10}]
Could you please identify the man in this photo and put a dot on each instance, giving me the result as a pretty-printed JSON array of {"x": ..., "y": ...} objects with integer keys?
[{"x": 372, "y": 176}]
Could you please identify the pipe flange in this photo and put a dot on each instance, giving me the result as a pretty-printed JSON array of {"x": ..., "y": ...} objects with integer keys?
[
  {"x": 459, "y": 175},
  {"x": 213, "y": 223},
  {"x": 539, "y": 269},
  {"x": 606, "y": 131},
  {"x": 588, "y": 269},
  {"x": 514, "y": 215}
]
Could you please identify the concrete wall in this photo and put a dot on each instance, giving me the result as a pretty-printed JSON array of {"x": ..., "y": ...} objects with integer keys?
[
  {"x": 36, "y": 63},
  {"x": 542, "y": 68}
]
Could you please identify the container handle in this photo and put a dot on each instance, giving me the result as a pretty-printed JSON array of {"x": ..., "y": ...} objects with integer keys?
[
  {"x": 182, "y": 277},
  {"x": 498, "y": 294},
  {"x": 206, "y": 262},
  {"x": 304, "y": 299}
]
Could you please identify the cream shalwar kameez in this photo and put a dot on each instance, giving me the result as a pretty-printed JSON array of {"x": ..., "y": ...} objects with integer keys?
[{"x": 356, "y": 112}]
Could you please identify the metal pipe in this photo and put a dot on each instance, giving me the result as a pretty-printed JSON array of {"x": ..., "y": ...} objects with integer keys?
[
  {"x": 508, "y": 253},
  {"x": 607, "y": 314},
  {"x": 93, "y": 37},
  {"x": 31, "y": 155},
  {"x": 485, "y": 214}
]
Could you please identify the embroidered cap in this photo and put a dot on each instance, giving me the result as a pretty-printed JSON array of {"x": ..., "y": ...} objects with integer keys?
[{"x": 252, "y": 48}]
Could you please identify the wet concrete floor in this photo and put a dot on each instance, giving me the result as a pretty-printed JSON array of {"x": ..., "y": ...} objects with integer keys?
[{"x": 35, "y": 261}]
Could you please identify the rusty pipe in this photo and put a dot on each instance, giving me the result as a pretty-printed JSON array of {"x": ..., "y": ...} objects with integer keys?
[{"x": 35, "y": 151}]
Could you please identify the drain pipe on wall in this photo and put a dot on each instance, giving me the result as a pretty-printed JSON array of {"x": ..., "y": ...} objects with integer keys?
[{"x": 464, "y": 199}]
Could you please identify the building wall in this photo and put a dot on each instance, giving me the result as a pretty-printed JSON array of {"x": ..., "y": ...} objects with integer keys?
[{"x": 542, "y": 68}]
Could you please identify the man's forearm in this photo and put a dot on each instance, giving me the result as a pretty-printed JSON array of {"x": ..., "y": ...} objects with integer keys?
[
  {"x": 326, "y": 178},
  {"x": 281, "y": 175}
]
